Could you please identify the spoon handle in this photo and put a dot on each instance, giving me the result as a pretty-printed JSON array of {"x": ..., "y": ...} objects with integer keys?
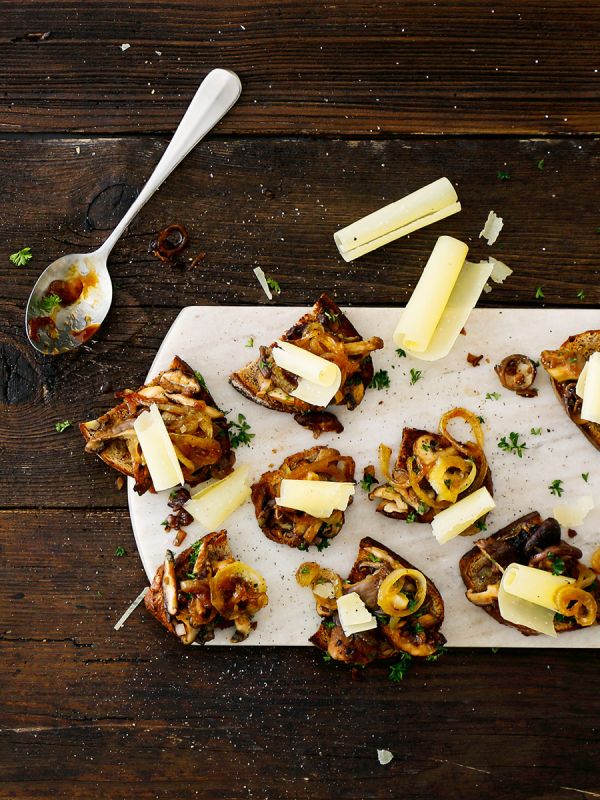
[{"x": 217, "y": 93}]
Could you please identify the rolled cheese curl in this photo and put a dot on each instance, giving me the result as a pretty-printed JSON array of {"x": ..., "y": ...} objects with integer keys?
[
  {"x": 429, "y": 299},
  {"x": 427, "y": 205},
  {"x": 590, "y": 407},
  {"x": 157, "y": 449},
  {"x": 305, "y": 364},
  {"x": 526, "y": 597}
]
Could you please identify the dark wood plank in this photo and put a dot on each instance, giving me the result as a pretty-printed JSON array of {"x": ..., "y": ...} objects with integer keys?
[
  {"x": 88, "y": 711},
  {"x": 358, "y": 67},
  {"x": 275, "y": 203}
]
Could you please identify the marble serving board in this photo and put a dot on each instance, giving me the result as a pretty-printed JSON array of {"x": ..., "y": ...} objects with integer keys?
[{"x": 214, "y": 341}]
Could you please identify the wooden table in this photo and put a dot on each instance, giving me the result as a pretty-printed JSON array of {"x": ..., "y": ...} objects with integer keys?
[{"x": 345, "y": 106}]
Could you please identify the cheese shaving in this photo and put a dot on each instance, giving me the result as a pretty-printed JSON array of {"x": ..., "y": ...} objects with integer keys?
[
  {"x": 131, "y": 609},
  {"x": 262, "y": 279},
  {"x": 214, "y": 503},
  {"x": 384, "y": 757},
  {"x": 500, "y": 271},
  {"x": 571, "y": 514},
  {"x": 491, "y": 229}
]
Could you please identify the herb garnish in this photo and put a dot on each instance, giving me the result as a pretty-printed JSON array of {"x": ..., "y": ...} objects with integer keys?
[
  {"x": 241, "y": 435},
  {"x": 503, "y": 175},
  {"x": 441, "y": 651},
  {"x": 422, "y": 508},
  {"x": 411, "y": 516},
  {"x": 492, "y": 396},
  {"x": 581, "y": 295},
  {"x": 556, "y": 488},
  {"x": 536, "y": 431},
  {"x": 329, "y": 624},
  {"x": 380, "y": 380},
  {"x": 332, "y": 317},
  {"x": 481, "y": 525},
  {"x": 540, "y": 164},
  {"x": 47, "y": 304},
  {"x": 373, "y": 557},
  {"x": 22, "y": 257},
  {"x": 250, "y": 342},
  {"x": 273, "y": 285},
  {"x": 303, "y": 546},
  {"x": 368, "y": 481},
  {"x": 415, "y": 375},
  {"x": 120, "y": 552},
  {"x": 323, "y": 544},
  {"x": 62, "y": 426},
  {"x": 200, "y": 379},
  {"x": 539, "y": 294},
  {"x": 558, "y": 565},
  {"x": 512, "y": 445},
  {"x": 585, "y": 476},
  {"x": 193, "y": 556},
  {"x": 327, "y": 657},
  {"x": 400, "y": 668},
  {"x": 400, "y": 352}
]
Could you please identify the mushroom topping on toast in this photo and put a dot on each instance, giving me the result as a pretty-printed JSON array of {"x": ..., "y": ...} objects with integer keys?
[
  {"x": 292, "y": 526},
  {"x": 406, "y": 608},
  {"x": 206, "y": 588},
  {"x": 564, "y": 366},
  {"x": 432, "y": 471},
  {"x": 197, "y": 429},
  {"x": 325, "y": 332},
  {"x": 532, "y": 542}
]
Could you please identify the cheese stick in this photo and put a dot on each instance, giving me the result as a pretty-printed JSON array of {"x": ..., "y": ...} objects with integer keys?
[
  {"x": 428, "y": 301},
  {"x": 427, "y": 205}
]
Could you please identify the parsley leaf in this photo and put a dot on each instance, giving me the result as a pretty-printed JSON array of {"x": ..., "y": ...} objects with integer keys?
[
  {"x": 193, "y": 556},
  {"x": 556, "y": 488},
  {"x": 329, "y": 624},
  {"x": 120, "y": 552},
  {"x": 323, "y": 544},
  {"x": 411, "y": 516},
  {"x": 368, "y": 481},
  {"x": 200, "y": 379},
  {"x": 415, "y": 375},
  {"x": 273, "y": 285},
  {"x": 492, "y": 396},
  {"x": 373, "y": 557},
  {"x": 327, "y": 657},
  {"x": 539, "y": 294},
  {"x": 585, "y": 476},
  {"x": 62, "y": 426},
  {"x": 47, "y": 304},
  {"x": 332, "y": 317},
  {"x": 503, "y": 175},
  {"x": 400, "y": 668},
  {"x": 400, "y": 352},
  {"x": 540, "y": 164},
  {"x": 250, "y": 342},
  {"x": 241, "y": 435},
  {"x": 581, "y": 295},
  {"x": 22, "y": 257},
  {"x": 380, "y": 380},
  {"x": 438, "y": 653},
  {"x": 558, "y": 565},
  {"x": 512, "y": 445},
  {"x": 536, "y": 431},
  {"x": 481, "y": 525}
]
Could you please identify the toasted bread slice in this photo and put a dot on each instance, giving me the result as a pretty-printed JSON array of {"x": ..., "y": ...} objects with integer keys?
[
  {"x": 264, "y": 383},
  {"x": 417, "y": 634},
  {"x": 527, "y": 540},
  {"x": 182, "y": 594},
  {"x": 564, "y": 367},
  {"x": 198, "y": 429},
  {"x": 399, "y": 501},
  {"x": 287, "y": 525}
]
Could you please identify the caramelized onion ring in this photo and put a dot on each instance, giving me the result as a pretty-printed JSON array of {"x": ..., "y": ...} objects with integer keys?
[
  {"x": 448, "y": 488},
  {"x": 237, "y": 590},
  {"x": 418, "y": 490},
  {"x": 472, "y": 449},
  {"x": 572, "y": 601},
  {"x": 595, "y": 562},
  {"x": 585, "y": 577},
  {"x": 312, "y": 574},
  {"x": 170, "y": 242},
  {"x": 391, "y": 598}
]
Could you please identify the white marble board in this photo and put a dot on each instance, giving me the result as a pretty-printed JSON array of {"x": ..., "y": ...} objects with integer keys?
[{"x": 213, "y": 340}]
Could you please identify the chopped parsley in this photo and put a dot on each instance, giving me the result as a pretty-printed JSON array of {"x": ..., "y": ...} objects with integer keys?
[
  {"x": 422, "y": 508},
  {"x": 556, "y": 488},
  {"x": 503, "y": 175},
  {"x": 200, "y": 379},
  {"x": 242, "y": 434},
  {"x": 400, "y": 668},
  {"x": 539, "y": 294},
  {"x": 329, "y": 624},
  {"x": 380, "y": 380},
  {"x": 417, "y": 627},
  {"x": 411, "y": 516},
  {"x": 558, "y": 565},
  {"x": 332, "y": 317},
  {"x": 415, "y": 375},
  {"x": 561, "y": 618},
  {"x": 581, "y": 295},
  {"x": 250, "y": 342},
  {"x": 47, "y": 304},
  {"x": 481, "y": 525},
  {"x": 400, "y": 352},
  {"x": 22, "y": 257},
  {"x": 438, "y": 653},
  {"x": 512, "y": 445},
  {"x": 481, "y": 420},
  {"x": 585, "y": 476},
  {"x": 273, "y": 285},
  {"x": 492, "y": 396},
  {"x": 368, "y": 481},
  {"x": 193, "y": 556},
  {"x": 59, "y": 427},
  {"x": 323, "y": 544},
  {"x": 303, "y": 546},
  {"x": 536, "y": 431},
  {"x": 120, "y": 552},
  {"x": 327, "y": 657},
  {"x": 373, "y": 557},
  {"x": 540, "y": 164}
]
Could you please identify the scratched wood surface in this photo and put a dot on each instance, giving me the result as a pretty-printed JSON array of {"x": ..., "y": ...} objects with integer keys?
[{"x": 89, "y": 712}]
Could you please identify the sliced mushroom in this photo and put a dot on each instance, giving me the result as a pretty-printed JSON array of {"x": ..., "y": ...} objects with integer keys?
[
  {"x": 517, "y": 373},
  {"x": 169, "y": 585},
  {"x": 486, "y": 597}
]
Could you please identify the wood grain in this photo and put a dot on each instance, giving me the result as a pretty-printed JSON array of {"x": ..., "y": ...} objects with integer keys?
[
  {"x": 273, "y": 203},
  {"x": 88, "y": 711},
  {"x": 358, "y": 67}
]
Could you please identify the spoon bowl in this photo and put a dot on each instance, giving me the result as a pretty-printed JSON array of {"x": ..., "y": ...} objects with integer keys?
[{"x": 72, "y": 296}]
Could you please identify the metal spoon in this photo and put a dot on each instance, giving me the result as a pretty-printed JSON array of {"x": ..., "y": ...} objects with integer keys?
[{"x": 72, "y": 296}]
